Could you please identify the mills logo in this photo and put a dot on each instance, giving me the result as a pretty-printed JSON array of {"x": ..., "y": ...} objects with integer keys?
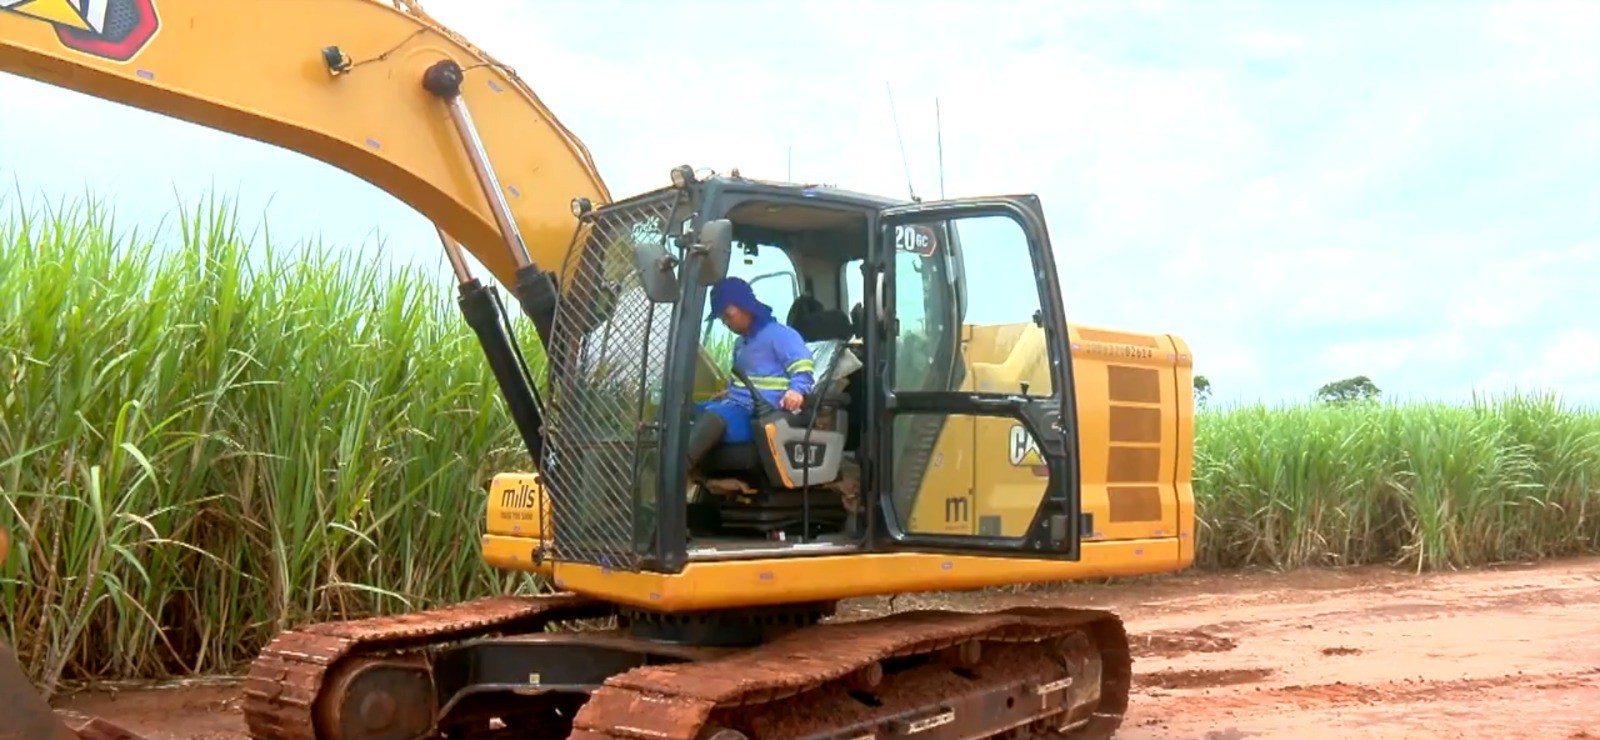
[
  {"x": 109, "y": 29},
  {"x": 521, "y": 497}
]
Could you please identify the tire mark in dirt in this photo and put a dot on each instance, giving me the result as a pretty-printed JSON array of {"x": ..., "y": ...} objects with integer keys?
[
  {"x": 1173, "y": 643},
  {"x": 1200, "y": 678},
  {"x": 1415, "y": 610},
  {"x": 1402, "y": 692}
]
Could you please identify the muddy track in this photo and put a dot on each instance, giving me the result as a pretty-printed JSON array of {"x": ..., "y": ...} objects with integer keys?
[
  {"x": 282, "y": 686},
  {"x": 801, "y": 684},
  {"x": 1367, "y": 653}
]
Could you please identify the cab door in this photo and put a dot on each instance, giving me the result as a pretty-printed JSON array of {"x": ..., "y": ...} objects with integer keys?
[{"x": 976, "y": 448}]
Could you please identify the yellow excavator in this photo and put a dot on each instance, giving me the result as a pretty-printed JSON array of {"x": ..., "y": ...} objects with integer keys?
[{"x": 961, "y": 434}]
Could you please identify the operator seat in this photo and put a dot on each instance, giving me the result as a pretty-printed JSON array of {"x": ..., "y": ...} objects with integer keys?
[
  {"x": 765, "y": 484},
  {"x": 816, "y": 323}
]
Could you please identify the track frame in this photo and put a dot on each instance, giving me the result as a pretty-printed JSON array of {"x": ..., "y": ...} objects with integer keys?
[{"x": 501, "y": 668}]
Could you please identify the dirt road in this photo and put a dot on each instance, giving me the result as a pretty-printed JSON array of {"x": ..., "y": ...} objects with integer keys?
[{"x": 1505, "y": 653}]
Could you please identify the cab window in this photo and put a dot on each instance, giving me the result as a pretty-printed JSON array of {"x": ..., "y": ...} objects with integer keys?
[
  {"x": 925, "y": 308},
  {"x": 772, "y": 277}
]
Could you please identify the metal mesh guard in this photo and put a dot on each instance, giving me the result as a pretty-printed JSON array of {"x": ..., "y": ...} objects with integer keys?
[{"x": 610, "y": 345}]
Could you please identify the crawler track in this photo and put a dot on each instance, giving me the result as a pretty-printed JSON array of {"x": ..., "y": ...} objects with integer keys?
[
  {"x": 932, "y": 674},
  {"x": 282, "y": 689}
]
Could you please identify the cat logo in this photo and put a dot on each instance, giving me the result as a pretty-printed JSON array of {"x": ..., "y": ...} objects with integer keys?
[
  {"x": 109, "y": 29},
  {"x": 1024, "y": 448}
]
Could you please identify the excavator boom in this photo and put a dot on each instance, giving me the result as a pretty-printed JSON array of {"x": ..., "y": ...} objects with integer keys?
[
  {"x": 380, "y": 91},
  {"x": 337, "y": 80}
]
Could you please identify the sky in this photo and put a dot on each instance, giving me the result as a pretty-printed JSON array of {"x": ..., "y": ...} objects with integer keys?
[{"x": 1302, "y": 192}]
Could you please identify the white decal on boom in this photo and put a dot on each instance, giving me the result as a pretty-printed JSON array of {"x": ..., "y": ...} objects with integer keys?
[{"x": 84, "y": 15}]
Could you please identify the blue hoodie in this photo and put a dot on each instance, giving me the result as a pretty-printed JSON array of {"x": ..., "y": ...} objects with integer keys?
[{"x": 774, "y": 356}]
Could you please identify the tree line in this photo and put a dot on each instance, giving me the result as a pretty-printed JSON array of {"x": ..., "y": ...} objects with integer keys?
[{"x": 1356, "y": 389}]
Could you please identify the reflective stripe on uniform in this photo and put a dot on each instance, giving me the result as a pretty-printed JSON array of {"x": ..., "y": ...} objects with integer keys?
[{"x": 769, "y": 382}]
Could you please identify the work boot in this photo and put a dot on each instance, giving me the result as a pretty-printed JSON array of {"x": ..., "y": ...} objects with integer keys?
[{"x": 703, "y": 437}]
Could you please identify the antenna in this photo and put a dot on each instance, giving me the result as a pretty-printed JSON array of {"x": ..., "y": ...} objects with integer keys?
[
  {"x": 790, "y": 174},
  {"x": 903, "y": 160},
  {"x": 938, "y": 127}
]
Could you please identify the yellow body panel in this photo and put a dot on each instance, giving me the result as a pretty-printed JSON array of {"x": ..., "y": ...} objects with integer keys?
[
  {"x": 742, "y": 583},
  {"x": 946, "y": 500},
  {"x": 1135, "y": 425},
  {"x": 1136, "y": 428},
  {"x": 1135, "y": 401},
  {"x": 256, "y": 69}
]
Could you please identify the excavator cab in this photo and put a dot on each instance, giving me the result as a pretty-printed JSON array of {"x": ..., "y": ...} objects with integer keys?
[{"x": 885, "y": 454}]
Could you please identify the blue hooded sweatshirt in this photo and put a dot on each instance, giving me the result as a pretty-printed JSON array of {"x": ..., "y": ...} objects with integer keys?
[{"x": 774, "y": 356}]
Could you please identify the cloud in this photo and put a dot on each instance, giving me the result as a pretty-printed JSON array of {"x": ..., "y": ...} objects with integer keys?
[
  {"x": 1568, "y": 363},
  {"x": 1303, "y": 192}
]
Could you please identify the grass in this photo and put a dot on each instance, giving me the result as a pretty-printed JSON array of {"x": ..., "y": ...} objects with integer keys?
[
  {"x": 195, "y": 452},
  {"x": 1420, "y": 485},
  {"x": 201, "y": 446}
]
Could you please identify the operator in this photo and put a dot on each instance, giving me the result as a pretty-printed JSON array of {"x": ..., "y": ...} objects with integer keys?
[{"x": 774, "y": 356}]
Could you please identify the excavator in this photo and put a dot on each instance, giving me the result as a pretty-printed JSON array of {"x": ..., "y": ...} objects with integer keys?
[{"x": 960, "y": 434}]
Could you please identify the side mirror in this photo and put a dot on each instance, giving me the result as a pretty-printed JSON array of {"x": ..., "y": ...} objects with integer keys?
[
  {"x": 655, "y": 271},
  {"x": 716, "y": 237}
]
